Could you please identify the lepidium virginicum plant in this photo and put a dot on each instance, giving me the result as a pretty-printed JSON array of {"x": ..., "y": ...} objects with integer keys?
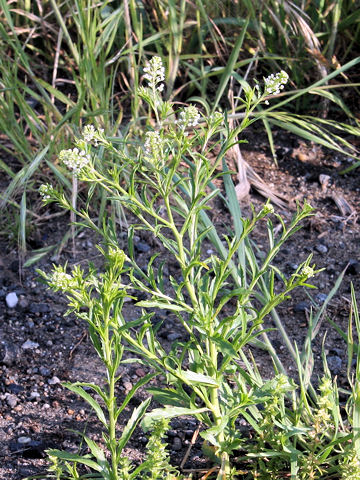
[{"x": 165, "y": 182}]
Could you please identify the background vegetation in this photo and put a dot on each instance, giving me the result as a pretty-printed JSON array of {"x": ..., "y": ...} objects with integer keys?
[{"x": 65, "y": 64}]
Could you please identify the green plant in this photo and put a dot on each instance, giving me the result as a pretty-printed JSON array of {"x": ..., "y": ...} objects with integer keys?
[
  {"x": 308, "y": 432},
  {"x": 100, "y": 292},
  {"x": 169, "y": 200}
]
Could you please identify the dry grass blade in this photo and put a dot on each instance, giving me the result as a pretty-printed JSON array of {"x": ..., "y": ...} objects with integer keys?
[
  {"x": 258, "y": 183},
  {"x": 344, "y": 206}
]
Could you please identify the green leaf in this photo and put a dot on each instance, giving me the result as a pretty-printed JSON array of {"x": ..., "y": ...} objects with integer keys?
[
  {"x": 225, "y": 347},
  {"x": 89, "y": 399},
  {"x": 199, "y": 378},
  {"x": 38, "y": 255},
  {"x": 160, "y": 413},
  {"x": 73, "y": 457},
  {"x": 167, "y": 396},
  {"x": 146, "y": 379},
  {"x": 136, "y": 416},
  {"x": 164, "y": 306}
]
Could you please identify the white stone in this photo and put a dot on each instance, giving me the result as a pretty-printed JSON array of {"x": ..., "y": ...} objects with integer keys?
[
  {"x": 29, "y": 345},
  {"x": 11, "y": 299},
  {"x": 24, "y": 440}
]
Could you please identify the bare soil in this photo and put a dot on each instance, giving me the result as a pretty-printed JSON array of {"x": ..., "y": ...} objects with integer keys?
[{"x": 37, "y": 412}]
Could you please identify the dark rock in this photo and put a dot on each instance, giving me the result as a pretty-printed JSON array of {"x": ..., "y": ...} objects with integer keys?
[
  {"x": 331, "y": 270},
  {"x": 302, "y": 307},
  {"x": 321, "y": 297},
  {"x": 173, "y": 336},
  {"x": 336, "y": 351},
  {"x": 23, "y": 304},
  {"x": 334, "y": 363},
  {"x": 44, "y": 371},
  {"x": 143, "y": 440},
  {"x": 8, "y": 353},
  {"x": 39, "y": 308},
  {"x": 177, "y": 445},
  {"x": 321, "y": 248},
  {"x": 292, "y": 266},
  {"x": 142, "y": 247},
  {"x": 30, "y": 324},
  {"x": 14, "y": 266},
  {"x": 14, "y": 388},
  {"x": 354, "y": 267}
]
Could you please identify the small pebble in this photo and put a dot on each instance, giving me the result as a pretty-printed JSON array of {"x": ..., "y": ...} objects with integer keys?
[
  {"x": 34, "y": 395},
  {"x": 292, "y": 266},
  {"x": 30, "y": 324},
  {"x": 8, "y": 353},
  {"x": 15, "y": 388},
  {"x": 44, "y": 371},
  {"x": 54, "y": 380},
  {"x": 321, "y": 248},
  {"x": 334, "y": 364},
  {"x": 142, "y": 247},
  {"x": 24, "y": 440},
  {"x": 11, "y": 299},
  {"x": 321, "y": 297},
  {"x": 23, "y": 303},
  {"x": 29, "y": 345},
  {"x": 128, "y": 386},
  {"x": 177, "y": 445},
  {"x": 39, "y": 308},
  {"x": 12, "y": 400},
  {"x": 174, "y": 336},
  {"x": 301, "y": 307}
]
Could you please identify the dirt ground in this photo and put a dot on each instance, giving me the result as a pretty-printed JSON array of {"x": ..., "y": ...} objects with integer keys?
[{"x": 39, "y": 348}]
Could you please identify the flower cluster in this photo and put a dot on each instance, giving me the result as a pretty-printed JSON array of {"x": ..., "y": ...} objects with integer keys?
[
  {"x": 74, "y": 159},
  {"x": 189, "y": 117},
  {"x": 61, "y": 280},
  {"x": 92, "y": 135},
  {"x": 46, "y": 191},
  {"x": 275, "y": 83},
  {"x": 153, "y": 147},
  {"x": 155, "y": 73},
  {"x": 267, "y": 209},
  {"x": 308, "y": 271}
]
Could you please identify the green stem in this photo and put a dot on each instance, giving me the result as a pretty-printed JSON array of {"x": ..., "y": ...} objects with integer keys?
[
  {"x": 111, "y": 403},
  {"x": 182, "y": 256}
]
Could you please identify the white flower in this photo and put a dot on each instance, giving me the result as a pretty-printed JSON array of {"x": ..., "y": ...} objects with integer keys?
[
  {"x": 275, "y": 83},
  {"x": 45, "y": 191},
  {"x": 92, "y": 135},
  {"x": 153, "y": 147},
  {"x": 74, "y": 159},
  {"x": 155, "y": 73},
  {"x": 268, "y": 208},
  {"x": 61, "y": 280},
  {"x": 308, "y": 271},
  {"x": 189, "y": 117}
]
